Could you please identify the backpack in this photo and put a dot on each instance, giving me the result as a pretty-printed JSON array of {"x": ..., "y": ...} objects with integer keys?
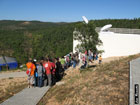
[{"x": 43, "y": 73}]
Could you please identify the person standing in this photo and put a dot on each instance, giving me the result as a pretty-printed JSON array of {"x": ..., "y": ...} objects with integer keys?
[
  {"x": 100, "y": 59},
  {"x": 47, "y": 66},
  {"x": 31, "y": 69},
  {"x": 74, "y": 61},
  {"x": 53, "y": 72},
  {"x": 84, "y": 62},
  {"x": 62, "y": 60},
  {"x": 40, "y": 71},
  {"x": 44, "y": 76},
  {"x": 67, "y": 61},
  {"x": 96, "y": 56},
  {"x": 90, "y": 56},
  {"x": 58, "y": 69},
  {"x": 35, "y": 73}
]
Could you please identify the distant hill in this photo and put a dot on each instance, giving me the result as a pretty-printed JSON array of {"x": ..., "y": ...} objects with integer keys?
[
  {"x": 24, "y": 39},
  {"x": 12, "y": 24}
]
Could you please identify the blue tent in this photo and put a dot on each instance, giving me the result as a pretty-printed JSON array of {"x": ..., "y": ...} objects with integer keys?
[{"x": 11, "y": 62}]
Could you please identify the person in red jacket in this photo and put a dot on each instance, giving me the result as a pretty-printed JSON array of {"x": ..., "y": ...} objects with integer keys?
[{"x": 48, "y": 67}]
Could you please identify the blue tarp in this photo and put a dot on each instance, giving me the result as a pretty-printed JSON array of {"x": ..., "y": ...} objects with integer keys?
[
  {"x": 11, "y": 62},
  {"x": 1, "y": 66},
  {"x": 13, "y": 65}
]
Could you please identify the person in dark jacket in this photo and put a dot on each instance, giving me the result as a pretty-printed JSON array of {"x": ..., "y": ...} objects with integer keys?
[
  {"x": 35, "y": 73},
  {"x": 58, "y": 69}
]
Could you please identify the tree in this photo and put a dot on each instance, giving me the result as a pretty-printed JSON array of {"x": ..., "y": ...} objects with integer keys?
[{"x": 87, "y": 36}]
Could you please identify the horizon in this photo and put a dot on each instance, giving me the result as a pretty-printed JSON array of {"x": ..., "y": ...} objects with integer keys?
[{"x": 69, "y": 22}]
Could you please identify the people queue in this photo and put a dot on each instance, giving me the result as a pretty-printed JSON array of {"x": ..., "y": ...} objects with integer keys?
[
  {"x": 44, "y": 72},
  {"x": 47, "y": 71}
]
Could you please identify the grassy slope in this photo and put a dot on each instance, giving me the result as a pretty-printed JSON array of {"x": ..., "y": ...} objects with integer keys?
[
  {"x": 107, "y": 84},
  {"x": 11, "y": 86}
]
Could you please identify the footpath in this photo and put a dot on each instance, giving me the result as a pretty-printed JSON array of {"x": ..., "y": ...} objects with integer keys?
[{"x": 28, "y": 96}]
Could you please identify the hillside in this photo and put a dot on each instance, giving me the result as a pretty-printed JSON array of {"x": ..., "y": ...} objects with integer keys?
[
  {"x": 106, "y": 84},
  {"x": 24, "y": 39},
  {"x": 35, "y": 39}
]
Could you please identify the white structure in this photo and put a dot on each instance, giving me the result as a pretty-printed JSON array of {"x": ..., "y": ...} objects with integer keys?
[
  {"x": 116, "y": 44},
  {"x": 106, "y": 27},
  {"x": 85, "y": 19}
]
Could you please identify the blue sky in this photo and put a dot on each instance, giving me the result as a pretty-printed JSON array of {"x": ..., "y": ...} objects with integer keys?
[{"x": 68, "y": 10}]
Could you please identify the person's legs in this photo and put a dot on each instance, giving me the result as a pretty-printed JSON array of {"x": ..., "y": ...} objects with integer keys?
[
  {"x": 53, "y": 79},
  {"x": 100, "y": 61},
  {"x": 57, "y": 76},
  {"x": 74, "y": 64},
  {"x": 29, "y": 81},
  {"x": 90, "y": 59},
  {"x": 85, "y": 65},
  {"x": 45, "y": 82},
  {"x": 32, "y": 80},
  {"x": 71, "y": 62},
  {"x": 36, "y": 82},
  {"x": 40, "y": 81},
  {"x": 49, "y": 79}
]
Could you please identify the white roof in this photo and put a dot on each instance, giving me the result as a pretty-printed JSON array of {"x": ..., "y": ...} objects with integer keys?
[{"x": 8, "y": 60}]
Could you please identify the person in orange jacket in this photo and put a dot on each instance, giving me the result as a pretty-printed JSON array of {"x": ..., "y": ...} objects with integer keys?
[{"x": 31, "y": 68}]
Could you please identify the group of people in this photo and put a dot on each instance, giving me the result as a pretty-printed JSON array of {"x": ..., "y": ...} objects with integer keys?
[
  {"x": 48, "y": 71},
  {"x": 44, "y": 72},
  {"x": 89, "y": 56}
]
